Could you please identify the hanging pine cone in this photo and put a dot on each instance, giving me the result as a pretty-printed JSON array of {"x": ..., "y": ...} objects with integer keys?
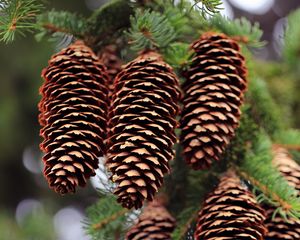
[
  {"x": 74, "y": 115},
  {"x": 230, "y": 212},
  {"x": 278, "y": 227},
  {"x": 214, "y": 89},
  {"x": 142, "y": 123},
  {"x": 154, "y": 223}
]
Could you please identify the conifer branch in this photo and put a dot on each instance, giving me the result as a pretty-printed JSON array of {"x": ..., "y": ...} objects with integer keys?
[
  {"x": 289, "y": 146},
  {"x": 110, "y": 19},
  {"x": 150, "y": 30},
  {"x": 17, "y": 16},
  {"x": 105, "y": 218},
  {"x": 240, "y": 29},
  {"x": 187, "y": 217},
  {"x": 257, "y": 168},
  {"x": 264, "y": 109},
  {"x": 63, "y": 22},
  {"x": 291, "y": 48},
  {"x": 290, "y": 137},
  {"x": 109, "y": 219},
  {"x": 208, "y": 7}
]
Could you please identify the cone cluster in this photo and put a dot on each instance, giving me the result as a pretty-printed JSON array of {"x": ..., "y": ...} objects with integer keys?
[
  {"x": 154, "y": 223},
  {"x": 213, "y": 93},
  {"x": 278, "y": 227},
  {"x": 142, "y": 124},
  {"x": 73, "y": 113},
  {"x": 230, "y": 212}
]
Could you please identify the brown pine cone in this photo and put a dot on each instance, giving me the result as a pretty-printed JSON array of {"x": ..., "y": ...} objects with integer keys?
[
  {"x": 213, "y": 93},
  {"x": 74, "y": 116},
  {"x": 155, "y": 223},
  {"x": 230, "y": 212},
  {"x": 142, "y": 123},
  {"x": 278, "y": 227}
]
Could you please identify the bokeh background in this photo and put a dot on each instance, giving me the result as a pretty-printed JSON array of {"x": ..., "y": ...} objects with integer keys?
[{"x": 28, "y": 208}]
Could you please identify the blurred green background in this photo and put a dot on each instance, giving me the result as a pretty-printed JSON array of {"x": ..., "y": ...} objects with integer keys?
[{"x": 28, "y": 208}]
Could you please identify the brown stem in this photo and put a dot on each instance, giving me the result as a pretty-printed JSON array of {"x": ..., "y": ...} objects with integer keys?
[
  {"x": 52, "y": 28},
  {"x": 286, "y": 206},
  {"x": 111, "y": 218},
  {"x": 289, "y": 146}
]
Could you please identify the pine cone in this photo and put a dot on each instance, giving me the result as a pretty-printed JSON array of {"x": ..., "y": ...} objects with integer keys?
[
  {"x": 154, "y": 223},
  {"x": 74, "y": 115},
  {"x": 230, "y": 212},
  {"x": 214, "y": 89},
  {"x": 142, "y": 123},
  {"x": 278, "y": 227}
]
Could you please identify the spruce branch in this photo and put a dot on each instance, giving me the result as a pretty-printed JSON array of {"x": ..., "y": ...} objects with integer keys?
[
  {"x": 105, "y": 218},
  {"x": 291, "y": 48},
  {"x": 208, "y": 7},
  {"x": 257, "y": 168},
  {"x": 63, "y": 22},
  {"x": 104, "y": 222},
  {"x": 241, "y": 29},
  {"x": 178, "y": 55},
  {"x": 289, "y": 139},
  {"x": 110, "y": 19},
  {"x": 264, "y": 109},
  {"x": 187, "y": 217},
  {"x": 17, "y": 16},
  {"x": 150, "y": 30}
]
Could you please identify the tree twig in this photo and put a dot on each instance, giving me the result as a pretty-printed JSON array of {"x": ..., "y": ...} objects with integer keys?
[{"x": 111, "y": 218}]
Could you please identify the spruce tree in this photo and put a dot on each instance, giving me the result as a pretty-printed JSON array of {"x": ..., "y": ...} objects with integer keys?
[{"x": 171, "y": 96}]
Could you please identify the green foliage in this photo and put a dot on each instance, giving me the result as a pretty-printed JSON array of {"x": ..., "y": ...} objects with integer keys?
[
  {"x": 17, "y": 16},
  {"x": 54, "y": 22},
  {"x": 208, "y": 7},
  {"x": 185, "y": 221},
  {"x": 35, "y": 226},
  {"x": 292, "y": 38},
  {"x": 241, "y": 28},
  {"x": 273, "y": 187},
  {"x": 245, "y": 134},
  {"x": 178, "y": 19},
  {"x": 106, "y": 219},
  {"x": 264, "y": 110},
  {"x": 150, "y": 30},
  {"x": 110, "y": 18},
  {"x": 289, "y": 137},
  {"x": 178, "y": 55}
]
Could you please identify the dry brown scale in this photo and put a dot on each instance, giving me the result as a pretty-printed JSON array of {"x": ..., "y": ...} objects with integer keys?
[
  {"x": 73, "y": 113},
  {"x": 155, "y": 223},
  {"x": 213, "y": 93},
  {"x": 142, "y": 128},
  {"x": 230, "y": 212},
  {"x": 278, "y": 227}
]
